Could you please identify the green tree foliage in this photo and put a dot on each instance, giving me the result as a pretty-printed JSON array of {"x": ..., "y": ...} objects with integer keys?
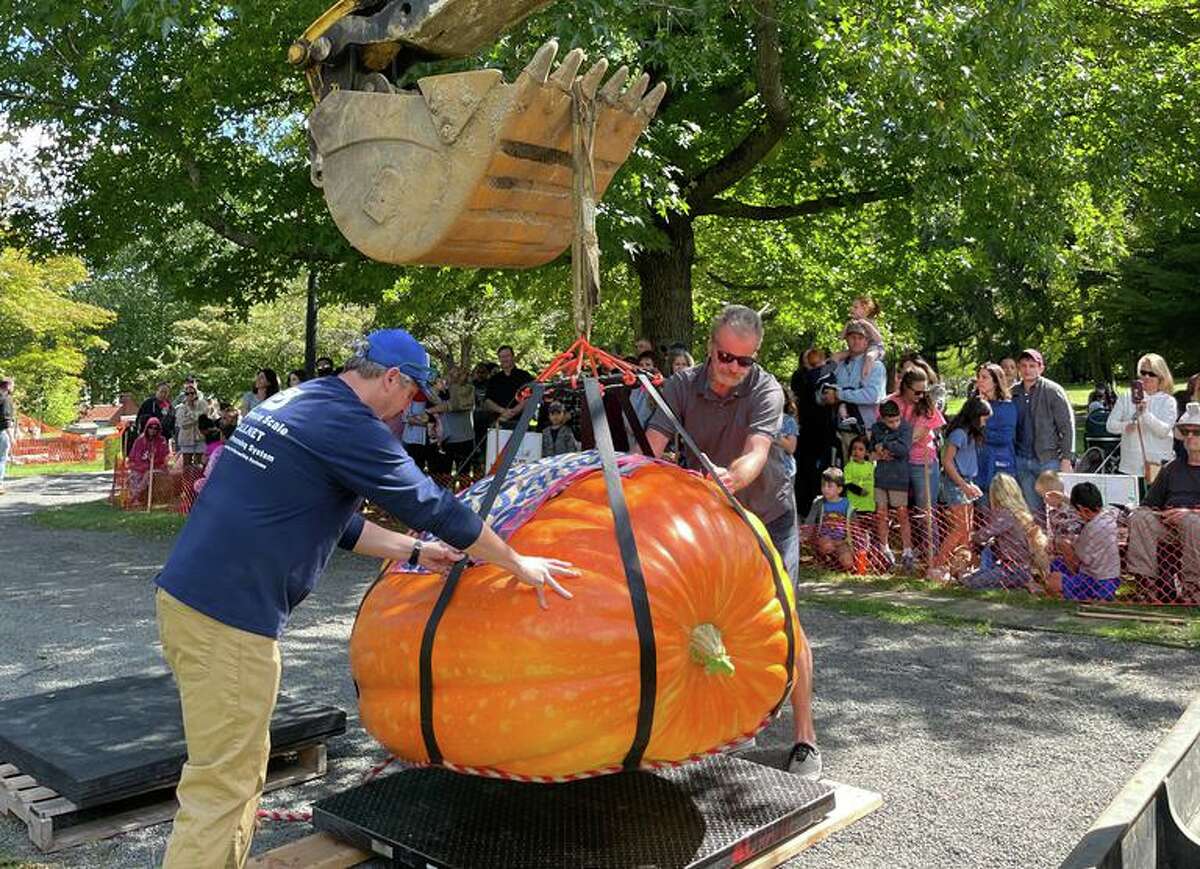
[
  {"x": 134, "y": 344},
  {"x": 982, "y": 167},
  {"x": 178, "y": 128},
  {"x": 1155, "y": 307},
  {"x": 225, "y": 347},
  {"x": 44, "y": 333}
]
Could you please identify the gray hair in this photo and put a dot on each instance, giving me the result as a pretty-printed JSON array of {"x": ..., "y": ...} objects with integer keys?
[
  {"x": 370, "y": 370},
  {"x": 741, "y": 319}
]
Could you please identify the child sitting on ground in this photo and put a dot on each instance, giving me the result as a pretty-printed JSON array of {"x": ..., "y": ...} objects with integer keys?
[
  {"x": 1092, "y": 569},
  {"x": 1014, "y": 547},
  {"x": 558, "y": 439},
  {"x": 830, "y": 519},
  {"x": 1061, "y": 521},
  {"x": 891, "y": 438}
]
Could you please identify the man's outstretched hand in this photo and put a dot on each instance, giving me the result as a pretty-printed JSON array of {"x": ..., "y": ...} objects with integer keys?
[{"x": 541, "y": 573}]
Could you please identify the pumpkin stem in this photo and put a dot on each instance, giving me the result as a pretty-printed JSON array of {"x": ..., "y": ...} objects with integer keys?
[{"x": 706, "y": 648}]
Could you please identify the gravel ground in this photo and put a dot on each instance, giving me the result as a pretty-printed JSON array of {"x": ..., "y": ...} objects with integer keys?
[{"x": 994, "y": 749}]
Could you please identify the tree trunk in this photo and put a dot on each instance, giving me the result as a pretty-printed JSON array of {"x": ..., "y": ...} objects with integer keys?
[
  {"x": 310, "y": 326},
  {"x": 665, "y": 277}
]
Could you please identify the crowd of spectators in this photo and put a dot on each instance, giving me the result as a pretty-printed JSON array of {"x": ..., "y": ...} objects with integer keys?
[
  {"x": 863, "y": 451},
  {"x": 862, "y": 437}
]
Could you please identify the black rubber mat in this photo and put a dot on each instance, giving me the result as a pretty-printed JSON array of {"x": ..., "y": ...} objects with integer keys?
[
  {"x": 98, "y": 743},
  {"x": 721, "y": 812}
]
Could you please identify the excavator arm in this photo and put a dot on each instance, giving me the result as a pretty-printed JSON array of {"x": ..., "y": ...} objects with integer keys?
[
  {"x": 367, "y": 44},
  {"x": 465, "y": 169}
]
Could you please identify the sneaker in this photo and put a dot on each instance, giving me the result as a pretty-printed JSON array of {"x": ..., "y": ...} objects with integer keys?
[
  {"x": 889, "y": 559},
  {"x": 908, "y": 561},
  {"x": 805, "y": 761}
]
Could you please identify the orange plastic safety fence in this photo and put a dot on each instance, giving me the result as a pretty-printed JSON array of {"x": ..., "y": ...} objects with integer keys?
[
  {"x": 169, "y": 489},
  {"x": 1159, "y": 552},
  {"x": 40, "y": 444}
]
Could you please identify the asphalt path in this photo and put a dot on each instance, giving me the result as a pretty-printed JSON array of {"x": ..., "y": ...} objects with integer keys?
[{"x": 990, "y": 749}]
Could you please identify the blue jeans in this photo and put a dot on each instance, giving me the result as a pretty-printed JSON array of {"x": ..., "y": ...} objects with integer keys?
[
  {"x": 5, "y": 446},
  {"x": 1028, "y": 470},
  {"x": 785, "y": 536}
]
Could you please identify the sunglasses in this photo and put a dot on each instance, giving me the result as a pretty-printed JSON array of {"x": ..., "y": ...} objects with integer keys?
[
  {"x": 1190, "y": 431},
  {"x": 1147, "y": 374},
  {"x": 726, "y": 358},
  {"x": 920, "y": 394}
]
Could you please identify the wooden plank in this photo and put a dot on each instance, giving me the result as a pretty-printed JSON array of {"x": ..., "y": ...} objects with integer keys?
[
  {"x": 1140, "y": 615},
  {"x": 1131, "y": 617},
  {"x": 318, "y": 851},
  {"x": 18, "y": 803},
  {"x": 19, "y": 782},
  {"x": 7, "y": 769},
  {"x": 851, "y": 804}
]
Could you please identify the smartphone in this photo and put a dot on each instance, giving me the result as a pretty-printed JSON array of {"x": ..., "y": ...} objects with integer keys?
[{"x": 1137, "y": 392}]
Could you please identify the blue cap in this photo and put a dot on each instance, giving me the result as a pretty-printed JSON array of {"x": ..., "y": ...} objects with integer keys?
[{"x": 395, "y": 348}]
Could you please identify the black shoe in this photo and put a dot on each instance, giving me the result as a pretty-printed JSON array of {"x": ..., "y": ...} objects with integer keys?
[{"x": 805, "y": 761}]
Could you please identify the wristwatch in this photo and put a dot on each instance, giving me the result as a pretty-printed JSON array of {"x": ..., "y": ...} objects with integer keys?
[{"x": 415, "y": 555}]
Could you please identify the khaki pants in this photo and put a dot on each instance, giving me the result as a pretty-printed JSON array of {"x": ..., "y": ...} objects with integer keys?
[
  {"x": 228, "y": 680},
  {"x": 1146, "y": 529}
]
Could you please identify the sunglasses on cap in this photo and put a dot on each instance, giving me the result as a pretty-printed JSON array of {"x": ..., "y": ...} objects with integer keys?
[{"x": 726, "y": 358}]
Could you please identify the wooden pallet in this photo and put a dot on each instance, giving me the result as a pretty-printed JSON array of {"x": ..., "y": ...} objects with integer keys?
[{"x": 56, "y": 823}]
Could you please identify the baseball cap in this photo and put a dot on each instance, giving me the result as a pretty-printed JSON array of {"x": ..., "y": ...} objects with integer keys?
[
  {"x": 395, "y": 348},
  {"x": 854, "y": 328},
  {"x": 1030, "y": 353}
]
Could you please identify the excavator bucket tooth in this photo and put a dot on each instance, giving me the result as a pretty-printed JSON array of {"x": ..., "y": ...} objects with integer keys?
[{"x": 470, "y": 170}]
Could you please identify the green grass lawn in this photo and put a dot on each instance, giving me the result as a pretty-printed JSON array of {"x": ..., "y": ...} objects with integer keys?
[
  {"x": 101, "y": 516},
  {"x": 55, "y": 469},
  {"x": 1060, "y": 615}
]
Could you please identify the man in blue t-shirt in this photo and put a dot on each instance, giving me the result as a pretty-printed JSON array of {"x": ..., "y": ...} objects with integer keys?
[{"x": 287, "y": 490}]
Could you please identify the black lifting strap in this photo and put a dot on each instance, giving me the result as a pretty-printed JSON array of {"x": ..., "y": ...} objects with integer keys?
[
  {"x": 443, "y": 601},
  {"x": 635, "y": 424},
  {"x": 634, "y": 576},
  {"x": 780, "y": 589}
]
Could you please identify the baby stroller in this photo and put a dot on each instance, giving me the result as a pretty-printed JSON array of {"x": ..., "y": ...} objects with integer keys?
[{"x": 1102, "y": 451}]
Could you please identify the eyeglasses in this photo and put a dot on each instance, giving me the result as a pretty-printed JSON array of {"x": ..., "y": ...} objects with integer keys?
[
  {"x": 1190, "y": 431},
  {"x": 726, "y": 358},
  {"x": 1147, "y": 374}
]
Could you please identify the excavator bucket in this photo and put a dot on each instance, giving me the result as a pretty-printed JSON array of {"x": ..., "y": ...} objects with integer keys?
[{"x": 471, "y": 170}]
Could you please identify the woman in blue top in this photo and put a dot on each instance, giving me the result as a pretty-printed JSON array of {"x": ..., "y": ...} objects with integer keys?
[{"x": 997, "y": 455}]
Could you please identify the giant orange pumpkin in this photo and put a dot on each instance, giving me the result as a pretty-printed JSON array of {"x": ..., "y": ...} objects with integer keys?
[{"x": 522, "y": 691}]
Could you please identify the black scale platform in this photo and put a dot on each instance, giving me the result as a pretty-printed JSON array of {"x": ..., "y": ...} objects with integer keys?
[
  {"x": 99, "y": 743},
  {"x": 721, "y": 812}
]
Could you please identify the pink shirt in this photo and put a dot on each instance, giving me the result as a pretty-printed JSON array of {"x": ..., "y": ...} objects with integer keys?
[{"x": 923, "y": 451}]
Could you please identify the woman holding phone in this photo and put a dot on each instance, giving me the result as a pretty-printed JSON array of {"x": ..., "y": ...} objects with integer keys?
[{"x": 1144, "y": 418}]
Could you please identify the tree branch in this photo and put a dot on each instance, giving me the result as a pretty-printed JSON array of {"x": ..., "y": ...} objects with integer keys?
[
  {"x": 757, "y": 144},
  {"x": 746, "y": 211}
]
